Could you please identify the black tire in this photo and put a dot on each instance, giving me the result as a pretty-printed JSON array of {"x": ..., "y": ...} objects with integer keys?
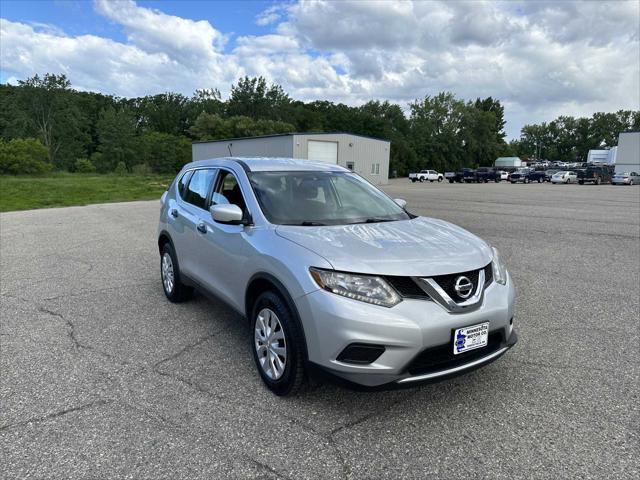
[
  {"x": 597, "y": 182},
  {"x": 180, "y": 292},
  {"x": 580, "y": 182},
  {"x": 413, "y": 180},
  {"x": 439, "y": 179},
  {"x": 421, "y": 179},
  {"x": 293, "y": 376},
  {"x": 451, "y": 181},
  {"x": 539, "y": 180}
]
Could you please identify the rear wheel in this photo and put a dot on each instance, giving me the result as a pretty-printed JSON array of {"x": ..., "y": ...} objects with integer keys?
[
  {"x": 277, "y": 344},
  {"x": 439, "y": 179},
  {"x": 597, "y": 181},
  {"x": 172, "y": 284},
  {"x": 421, "y": 179}
]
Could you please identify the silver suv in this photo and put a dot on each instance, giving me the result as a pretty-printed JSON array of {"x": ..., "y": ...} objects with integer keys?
[{"x": 333, "y": 276}]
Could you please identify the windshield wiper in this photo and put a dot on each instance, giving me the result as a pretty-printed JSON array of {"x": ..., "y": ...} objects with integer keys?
[
  {"x": 375, "y": 220},
  {"x": 307, "y": 224}
]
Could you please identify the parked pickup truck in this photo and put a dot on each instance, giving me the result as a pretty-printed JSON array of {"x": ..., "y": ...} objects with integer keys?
[
  {"x": 453, "y": 176},
  {"x": 423, "y": 175},
  {"x": 596, "y": 175},
  {"x": 487, "y": 174},
  {"x": 526, "y": 175},
  {"x": 468, "y": 175}
]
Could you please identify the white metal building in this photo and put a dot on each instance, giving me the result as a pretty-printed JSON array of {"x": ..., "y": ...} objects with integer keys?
[
  {"x": 367, "y": 156},
  {"x": 628, "y": 156},
  {"x": 508, "y": 162},
  {"x": 603, "y": 156}
]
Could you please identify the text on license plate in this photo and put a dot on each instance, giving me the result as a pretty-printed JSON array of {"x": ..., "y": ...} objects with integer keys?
[{"x": 469, "y": 338}]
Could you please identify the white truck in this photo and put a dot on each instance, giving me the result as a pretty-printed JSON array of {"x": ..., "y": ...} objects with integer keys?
[{"x": 424, "y": 175}]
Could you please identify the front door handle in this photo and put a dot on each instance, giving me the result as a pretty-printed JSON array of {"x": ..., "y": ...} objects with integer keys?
[
  {"x": 174, "y": 213},
  {"x": 202, "y": 228}
]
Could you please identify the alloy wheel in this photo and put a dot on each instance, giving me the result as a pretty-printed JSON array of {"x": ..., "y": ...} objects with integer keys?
[
  {"x": 270, "y": 344},
  {"x": 168, "y": 279}
]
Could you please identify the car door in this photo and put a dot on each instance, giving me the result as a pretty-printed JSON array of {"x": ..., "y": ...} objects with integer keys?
[
  {"x": 192, "y": 208},
  {"x": 226, "y": 248},
  {"x": 176, "y": 221}
]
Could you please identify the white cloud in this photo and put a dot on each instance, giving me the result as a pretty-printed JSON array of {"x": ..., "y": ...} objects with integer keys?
[{"x": 542, "y": 59}]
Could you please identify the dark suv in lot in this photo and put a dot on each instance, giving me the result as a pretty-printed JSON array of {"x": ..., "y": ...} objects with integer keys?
[
  {"x": 595, "y": 174},
  {"x": 526, "y": 175},
  {"x": 487, "y": 174}
]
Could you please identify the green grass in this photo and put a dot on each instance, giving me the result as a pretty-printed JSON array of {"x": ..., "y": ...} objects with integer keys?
[{"x": 67, "y": 189}]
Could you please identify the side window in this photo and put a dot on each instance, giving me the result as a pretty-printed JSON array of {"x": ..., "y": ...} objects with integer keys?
[
  {"x": 199, "y": 186},
  {"x": 182, "y": 184},
  {"x": 228, "y": 191}
]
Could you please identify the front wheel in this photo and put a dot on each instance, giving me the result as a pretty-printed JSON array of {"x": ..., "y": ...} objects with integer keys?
[
  {"x": 413, "y": 180},
  {"x": 421, "y": 179},
  {"x": 174, "y": 289},
  {"x": 439, "y": 179},
  {"x": 277, "y": 345}
]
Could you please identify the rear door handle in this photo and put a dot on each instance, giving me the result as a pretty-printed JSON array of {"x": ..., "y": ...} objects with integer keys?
[
  {"x": 174, "y": 213},
  {"x": 202, "y": 228}
]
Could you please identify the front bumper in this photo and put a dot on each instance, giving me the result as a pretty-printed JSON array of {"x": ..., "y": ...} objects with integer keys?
[{"x": 406, "y": 331}]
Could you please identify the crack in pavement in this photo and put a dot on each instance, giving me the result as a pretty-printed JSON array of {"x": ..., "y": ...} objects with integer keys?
[
  {"x": 59, "y": 413},
  {"x": 156, "y": 367},
  {"x": 77, "y": 345}
]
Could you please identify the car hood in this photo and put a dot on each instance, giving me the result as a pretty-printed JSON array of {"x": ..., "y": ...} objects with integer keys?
[{"x": 418, "y": 247}]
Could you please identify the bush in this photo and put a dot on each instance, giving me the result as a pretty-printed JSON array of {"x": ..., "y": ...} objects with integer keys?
[
  {"x": 141, "y": 169},
  {"x": 121, "y": 169},
  {"x": 163, "y": 152},
  {"x": 100, "y": 162},
  {"x": 84, "y": 165},
  {"x": 23, "y": 156}
]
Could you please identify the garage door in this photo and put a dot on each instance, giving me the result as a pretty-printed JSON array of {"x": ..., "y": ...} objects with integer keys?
[{"x": 322, "y": 151}]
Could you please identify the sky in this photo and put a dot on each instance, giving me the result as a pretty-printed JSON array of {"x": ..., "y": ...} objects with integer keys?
[{"x": 541, "y": 59}]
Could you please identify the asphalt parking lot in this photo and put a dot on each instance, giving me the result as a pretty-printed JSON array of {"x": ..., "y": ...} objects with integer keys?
[{"x": 102, "y": 377}]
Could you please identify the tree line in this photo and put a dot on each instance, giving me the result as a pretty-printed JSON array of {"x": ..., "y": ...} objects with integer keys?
[{"x": 47, "y": 125}]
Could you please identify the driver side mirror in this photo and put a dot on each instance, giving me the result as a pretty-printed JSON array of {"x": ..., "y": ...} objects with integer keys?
[
  {"x": 401, "y": 203},
  {"x": 227, "y": 213}
]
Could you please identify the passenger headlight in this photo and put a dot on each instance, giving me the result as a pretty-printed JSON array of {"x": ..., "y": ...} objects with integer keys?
[
  {"x": 366, "y": 288},
  {"x": 499, "y": 268}
]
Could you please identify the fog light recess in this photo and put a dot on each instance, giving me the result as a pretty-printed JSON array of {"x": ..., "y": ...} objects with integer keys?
[{"x": 360, "y": 353}]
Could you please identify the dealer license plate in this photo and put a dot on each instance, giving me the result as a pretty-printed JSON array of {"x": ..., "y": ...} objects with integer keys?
[{"x": 470, "y": 338}]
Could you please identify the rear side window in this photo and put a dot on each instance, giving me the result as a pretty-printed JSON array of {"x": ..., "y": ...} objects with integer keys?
[
  {"x": 182, "y": 184},
  {"x": 199, "y": 187}
]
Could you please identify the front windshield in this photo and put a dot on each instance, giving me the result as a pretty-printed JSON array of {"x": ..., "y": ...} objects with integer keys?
[{"x": 322, "y": 198}]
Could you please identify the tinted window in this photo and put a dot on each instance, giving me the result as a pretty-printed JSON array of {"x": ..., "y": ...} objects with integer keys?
[
  {"x": 182, "y": 184},
  {"x": 228, "y": 191},
  {"x": 199, "y": 187}
]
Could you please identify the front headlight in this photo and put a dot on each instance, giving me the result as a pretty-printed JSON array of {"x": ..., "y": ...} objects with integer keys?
[
  {"x": 366, "y": 288},
  {"x": 499, "y": 268}
]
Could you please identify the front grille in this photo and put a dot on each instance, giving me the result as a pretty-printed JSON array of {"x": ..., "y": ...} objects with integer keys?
[
  {"x": 440, "y": 358},
  {"x": 488, "y": 275},
  {"x": 406, "y": 287}
]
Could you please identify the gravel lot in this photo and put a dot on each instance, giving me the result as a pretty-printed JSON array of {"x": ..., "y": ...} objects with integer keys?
[{"x": 102, "y": 377}]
